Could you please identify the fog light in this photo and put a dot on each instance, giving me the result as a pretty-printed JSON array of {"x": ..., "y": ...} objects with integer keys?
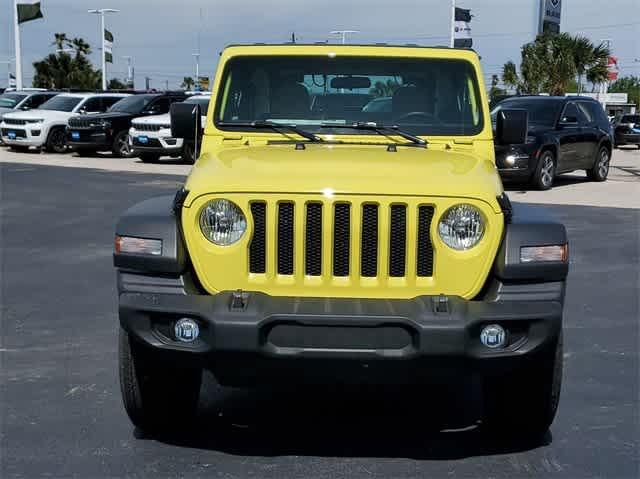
[
  {"x": 186, "y": 330},
  {"x": 510, "y": 160},
  {"x": 493, "y": 336}
]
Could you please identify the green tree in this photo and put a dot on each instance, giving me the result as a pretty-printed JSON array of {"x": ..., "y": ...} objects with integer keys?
[
  {"x": 115, "y": 84},
  {"x": 384, "y": 89},
  {"x": 64, "y": 70},
  {"x": 510, "y": 76},
  {"x": 495, "y": 92},
  {"x": 629, "y": 85},
  {"x": 188, "y": 83}
]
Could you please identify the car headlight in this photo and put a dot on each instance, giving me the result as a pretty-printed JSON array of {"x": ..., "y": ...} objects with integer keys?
[
  {"x": 461, "y": 227},
  {"x": 34, "y": 122},
  {"x": 222, "y": 222}
]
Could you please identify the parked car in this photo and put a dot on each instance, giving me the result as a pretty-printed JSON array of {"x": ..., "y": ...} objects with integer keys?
[
  {"x": 306, "y": 249},
  {"x": 110, "y": 131},
  {"x": 44, "y": 127},
  {"x": 151, "y": 138},
  {"x": 626, "y": 130},
  {"x": 11, "y": 101},
  {"x": 565, "y": 134}
]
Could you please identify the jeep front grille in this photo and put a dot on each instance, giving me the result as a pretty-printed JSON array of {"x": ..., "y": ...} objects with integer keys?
[
  {"x": 11, "y": 121},
  {"x": 364, "y": 220},
  {"x": 82, "y": 123},
  {"x": 148, "y": 127}
]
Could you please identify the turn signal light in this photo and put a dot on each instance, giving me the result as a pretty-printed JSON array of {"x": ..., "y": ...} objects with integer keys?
[
  {"x": 534, "y": 254},
  {"x": 131, "y": 245}
]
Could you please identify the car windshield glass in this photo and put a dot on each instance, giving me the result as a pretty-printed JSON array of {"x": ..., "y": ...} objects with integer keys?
[
  {"x": 10, "y": 100},
  {"x": 542, "y": 112},
  {"x": 422, "y": 96},
  {"x": 203, "y": 102},
  {"x": 132, "y": 104},
  {"x": 61, "y": 103}
]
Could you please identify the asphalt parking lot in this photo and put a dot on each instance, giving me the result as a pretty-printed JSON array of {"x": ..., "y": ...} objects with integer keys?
[{"x": 62, "y": 414}]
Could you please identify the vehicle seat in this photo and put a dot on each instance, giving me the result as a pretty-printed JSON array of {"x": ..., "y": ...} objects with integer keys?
[
  {"x": 409, "y": 99},
  {"x": 290, "y": 100}
]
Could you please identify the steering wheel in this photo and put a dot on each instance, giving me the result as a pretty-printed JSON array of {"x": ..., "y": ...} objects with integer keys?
[{"x": 417, "y": 117}]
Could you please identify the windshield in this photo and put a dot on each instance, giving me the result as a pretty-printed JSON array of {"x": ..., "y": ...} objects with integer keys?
[
  {"x": 202, "y": 101},
  {"x": 132, "y": 104},
  {"x": 61, "y": 103},
  {"x": 10, "y": 100},
  {"x": 422, "y": 96},
  {"x": 542, "y": 112}
]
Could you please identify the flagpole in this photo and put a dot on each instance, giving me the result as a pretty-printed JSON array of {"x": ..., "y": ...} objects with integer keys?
[
  {"x": 453, "y": 24},
  {"x": 17, "y": 46}
]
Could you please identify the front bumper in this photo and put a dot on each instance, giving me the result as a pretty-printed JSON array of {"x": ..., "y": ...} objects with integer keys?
[
  {"x": 23, "y": 135},
  {"x": 154, "y": 142},
  {"x": 91, "y": 139},
  {"x": 628, "y": 139},
  {"x": 261, "y": 338}
]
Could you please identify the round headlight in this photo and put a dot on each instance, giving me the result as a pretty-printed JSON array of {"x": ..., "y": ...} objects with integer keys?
[
  {"x": 461, "y": 227},
  {"x": 222, "y": 222}
]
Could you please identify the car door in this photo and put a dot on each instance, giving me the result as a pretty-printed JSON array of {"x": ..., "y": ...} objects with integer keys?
[
  {"x": 92, "y": 105},
  {"x": 569, "y": 136},
  {"x": 590, "y": 134}
]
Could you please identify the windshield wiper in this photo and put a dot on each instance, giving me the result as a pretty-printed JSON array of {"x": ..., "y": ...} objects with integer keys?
[
  {"x": 272, "y": 125},
  {"x": 382, "y": 129}
]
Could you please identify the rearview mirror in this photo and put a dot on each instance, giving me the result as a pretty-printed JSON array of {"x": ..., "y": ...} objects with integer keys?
[
  {"x": 185, "y": 121},
  {"x": 350, "y": 83},
  {"x": 512, "y": 126}
]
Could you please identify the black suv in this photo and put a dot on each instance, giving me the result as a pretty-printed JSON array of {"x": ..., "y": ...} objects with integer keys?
[
  {"x": 626, "y": 129},
  {"x": 565, "y": 134},
  {"x": 110, "y": 131}
]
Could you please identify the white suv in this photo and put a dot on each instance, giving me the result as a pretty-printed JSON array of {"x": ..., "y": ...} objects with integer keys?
[
  {"x": 150, "y": 137},
  {"x": 45, "y": 125}
]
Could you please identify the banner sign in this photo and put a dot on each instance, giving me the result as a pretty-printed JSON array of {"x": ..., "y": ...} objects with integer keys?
[
  {"x": 108, "y": 46},
  {"x": 28, "y": 10},
  {"x": 12, "y": 80},
  {"x": 462, "y": 29},
  {"x": 550, "y": 14}
]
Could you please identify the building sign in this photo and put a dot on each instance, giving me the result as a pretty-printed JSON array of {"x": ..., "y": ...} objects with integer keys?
[
  {"x": 613, "y": 68},
  {"x": 462, "y": 29},
  {"x": 550, "y": 13}
]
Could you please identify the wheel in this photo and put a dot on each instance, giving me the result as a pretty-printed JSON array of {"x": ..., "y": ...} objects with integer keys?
[
  {"x": 158, "y": 396},
  {"x": 545, "y": 171},
  {"x": 149, "y": 157},
  {"x": 600, "y": 169},
  {"x": 524, "y": 403},
  {"x": 57, "y": 141},
  {"x": 121, "y": 147},
  {"x": 188, "y": 153}
]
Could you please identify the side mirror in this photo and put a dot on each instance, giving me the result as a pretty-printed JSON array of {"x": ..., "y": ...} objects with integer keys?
[
  {"x": 185, "y": 121},
  {"x": 25, "y": 108},
  {"x": 512, "y": 127}
]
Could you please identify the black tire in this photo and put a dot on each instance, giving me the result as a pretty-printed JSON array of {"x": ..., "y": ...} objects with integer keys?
[
  {"x": 158, "y": 396},
  {"x": 57, "y": 141},
  {"x": 524, "y": 403},
  {"x": 545, "y": 171},
  {"x": 121, "y": 147},
  {"x": 188, "y": 153},
  {"x": 600, "y": 170},
  {"x": 149, "y": 157}
]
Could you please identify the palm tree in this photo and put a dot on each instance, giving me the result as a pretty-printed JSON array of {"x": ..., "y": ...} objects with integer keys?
[
  {"x": 510, "y": 76},
  {"x": 60, "y": 40},
  {"x": 65, "y": 71},
  {"x": 188, "y": 83},
  {"x": 384, "y": 89},
  {"x": 80, "y": 46}
]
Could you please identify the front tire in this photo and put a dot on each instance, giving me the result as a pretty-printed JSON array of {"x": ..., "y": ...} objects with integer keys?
[
  {"x": 121, "y": 147},
  {"x": 600, "y": 170},
  {"x": 545, "y": 171},
  {"x": 524, "y": 402},
  {"x": 158, "y": 396},
  {"x": 57, "y": 141},
  {"x": 188, "y": 153}
]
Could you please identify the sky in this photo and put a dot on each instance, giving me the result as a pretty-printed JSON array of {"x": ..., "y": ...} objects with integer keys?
[{"x": 162, "y": 35}]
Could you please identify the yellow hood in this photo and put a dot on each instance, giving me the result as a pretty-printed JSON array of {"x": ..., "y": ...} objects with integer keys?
[{"x": 346, "y": 169}]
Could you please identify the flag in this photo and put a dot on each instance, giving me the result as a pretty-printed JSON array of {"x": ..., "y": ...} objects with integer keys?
[
  {"x": 108, "y": 46},
  {"x": 28, "y": 10},
  {"x": 462, "y": 37}
]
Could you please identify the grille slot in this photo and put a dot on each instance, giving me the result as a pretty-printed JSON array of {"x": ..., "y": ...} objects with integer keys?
[
  {"x": 313, "y": 240},
  {"x": 341, "y": 239},
  {"x": 148, "y": 127},
  {"x": 425, "y": 246},
  {"x": 11, "y": 121},
  {"x": 258, "y": 246},
  {"x": 398, "y": 241},
  {"x": 369, "y": 241},
  {"x": 285, "y": 238}
]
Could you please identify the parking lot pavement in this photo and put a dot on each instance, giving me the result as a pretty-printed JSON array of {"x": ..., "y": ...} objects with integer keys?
[{"x": 62, "y": 416}]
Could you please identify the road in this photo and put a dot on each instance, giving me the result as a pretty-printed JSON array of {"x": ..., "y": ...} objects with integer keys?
[{"x": 62, "y": 414}]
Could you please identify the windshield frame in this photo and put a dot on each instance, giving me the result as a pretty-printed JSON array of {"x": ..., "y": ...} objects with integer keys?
[
  {"x": 474, "y": 77},
  {"x": 22, "y": 97},
  {"x": 132, "y": 98},
  {"x": 76, "y": 105}
]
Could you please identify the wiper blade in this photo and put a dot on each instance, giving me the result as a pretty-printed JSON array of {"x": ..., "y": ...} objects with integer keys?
[
  {"x": 272, "y": 125},
  {"x": 371, "y": 126}
]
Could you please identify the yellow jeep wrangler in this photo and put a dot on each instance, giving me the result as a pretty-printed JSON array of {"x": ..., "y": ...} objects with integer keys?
[{"x": 345, "y": 223}]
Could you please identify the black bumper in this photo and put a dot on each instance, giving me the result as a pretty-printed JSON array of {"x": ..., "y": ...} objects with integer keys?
[
  {"x": 98, "y": 140},
  {"x": 627, "y": 139},
  {"x": 266, "y": 338}
]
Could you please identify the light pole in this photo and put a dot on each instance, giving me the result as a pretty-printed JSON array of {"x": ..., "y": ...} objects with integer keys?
[
  {"x": 343, "y": 34},
  {"x": 452, "y": 40},
  {"x": 130, "y": 79},
  {"x": 197, "y": 83},
  {"x": 101, "y": 12}
]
